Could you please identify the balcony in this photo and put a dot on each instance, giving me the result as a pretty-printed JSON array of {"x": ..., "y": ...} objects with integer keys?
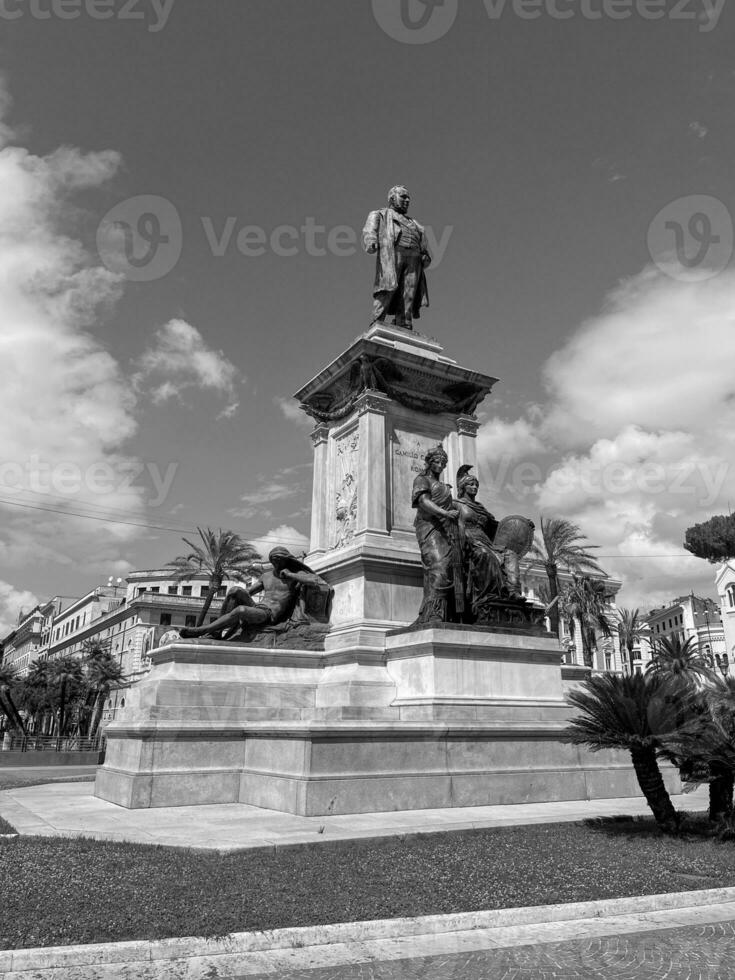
[{"x": 163, "y": 599}]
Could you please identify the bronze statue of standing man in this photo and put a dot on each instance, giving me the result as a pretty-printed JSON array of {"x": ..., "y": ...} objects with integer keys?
[{"x": 402, "y": 254}]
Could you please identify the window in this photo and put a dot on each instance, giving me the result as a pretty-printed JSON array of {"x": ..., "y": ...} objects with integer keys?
[
  {"x": 731, "y": 595},
  {"x": 203, "y": 590},
  {"x": 155, "y": 590},
  {"x": 186, "y": 590},
  {"x": 165, "y": 619},
  {"x": 173, "y": 590},
  {"x": 190, "y": 621}
]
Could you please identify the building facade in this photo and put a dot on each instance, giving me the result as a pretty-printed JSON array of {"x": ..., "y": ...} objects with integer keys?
[
  {"x": 606, "y": 655},
  {"x": 725, "y": 584},
  {"x": 690, "y": 617},
  {"x": 29, "y": 639},
  {"x": 130, "y": 621}
]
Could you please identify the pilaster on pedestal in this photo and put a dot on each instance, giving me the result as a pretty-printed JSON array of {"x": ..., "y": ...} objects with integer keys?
[{"x": 378, "y": 408}]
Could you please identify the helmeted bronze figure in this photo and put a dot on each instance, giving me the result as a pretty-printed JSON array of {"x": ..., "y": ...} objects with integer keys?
[
  {"x": 491, "y": 570},
  {"x": 402, "y": 253}
]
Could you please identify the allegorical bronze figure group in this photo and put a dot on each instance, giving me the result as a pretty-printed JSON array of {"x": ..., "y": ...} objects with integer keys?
[{"x": 471, "y": 561}]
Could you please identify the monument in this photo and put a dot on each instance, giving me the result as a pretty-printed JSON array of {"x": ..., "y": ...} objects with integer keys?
[{"x": 437, "y": 684}]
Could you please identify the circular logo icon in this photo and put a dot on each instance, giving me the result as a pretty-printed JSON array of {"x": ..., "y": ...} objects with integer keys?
[
  {"x": 415, "y": 21},
  {"x": 141, "y": 238},
  {"x": 692, "y": 238}
]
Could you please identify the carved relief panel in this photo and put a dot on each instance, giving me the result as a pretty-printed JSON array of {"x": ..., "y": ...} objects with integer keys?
[{"x": 346, "y": 450}]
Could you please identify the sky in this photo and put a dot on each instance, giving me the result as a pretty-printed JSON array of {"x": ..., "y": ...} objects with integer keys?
[{"x": 182, "y": 187}]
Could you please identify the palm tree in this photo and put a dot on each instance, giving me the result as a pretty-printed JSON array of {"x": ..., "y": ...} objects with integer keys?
[
  {"x": 586, "y": 600},
  {"x": 631, "y": 628},
  {"x": 561, "y": 545},
  {"x": 8, "y": 687},
  {"x": 721, "y": 702},
  {"x": 702, "y": 744},
  {"x": 66, "y": 679},
  {"x": 677, "y": 658},
  {"x": 34, "y": 693},
  {"x": 629, "y": 712},
  {"x": 220, "y": 556},
  {"x": 103, "y": 673}
]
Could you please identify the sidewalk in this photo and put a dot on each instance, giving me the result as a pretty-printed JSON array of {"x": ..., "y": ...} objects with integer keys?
[
  {"x": 71, "y": 810},
  {"x": 678, "y": 936}
]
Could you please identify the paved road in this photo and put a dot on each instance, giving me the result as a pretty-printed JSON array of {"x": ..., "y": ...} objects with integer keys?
[{"x": 702, "y": 952}]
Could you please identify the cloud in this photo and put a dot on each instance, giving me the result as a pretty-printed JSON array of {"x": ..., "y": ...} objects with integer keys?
[
  {"x": 283, "y": 536},
  {"x": 641, "y": 410},
  {"x": 293, "y": 412},
  {"x": 66, "y": 408},
  {"x": 12, "y": 601},
  {"x": 179, "y": 361},
  {"x": 284, "y": 484},
  {"x": 659, "y": 356}
]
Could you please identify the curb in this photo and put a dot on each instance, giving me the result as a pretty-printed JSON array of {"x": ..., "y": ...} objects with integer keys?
[{"x": 146, "y": 953}]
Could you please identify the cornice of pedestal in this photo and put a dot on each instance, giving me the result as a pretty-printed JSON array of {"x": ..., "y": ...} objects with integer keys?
[{"x": 400, "y": 366}]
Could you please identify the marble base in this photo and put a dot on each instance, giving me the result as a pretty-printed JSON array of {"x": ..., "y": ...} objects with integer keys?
[{"x": 438, "y": 718}]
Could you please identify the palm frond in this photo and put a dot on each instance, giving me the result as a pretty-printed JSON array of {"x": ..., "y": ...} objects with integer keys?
[{"x": 621, "y": 712}]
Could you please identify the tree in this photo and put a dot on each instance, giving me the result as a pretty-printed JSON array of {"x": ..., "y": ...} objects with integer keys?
[
  {"x": 631, "y": 629},
  {"x": 8, "y": 688},
  {"x": 586, "y": 600},
  {"x": 34, "y": 693},
  {"x": 66, "y": 681},
  {"x": 102, "y": 674},
  {"x": 220, "y": 556},
  {"x": 631, "y": 712},
  {"x": 561, "y": 545},
  {"x": 674, "y": 657},
  {"x": 703, "y": 744},
  {"x": 714, "y": 540}
]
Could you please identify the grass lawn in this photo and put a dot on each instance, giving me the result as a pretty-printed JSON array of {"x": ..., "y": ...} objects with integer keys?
[
  {"x": 5, "y": 827},
  {"x": 62, "y": 891}
]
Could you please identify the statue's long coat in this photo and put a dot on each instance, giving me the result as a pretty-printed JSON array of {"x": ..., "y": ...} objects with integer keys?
[{"x": 380, "y": 228}]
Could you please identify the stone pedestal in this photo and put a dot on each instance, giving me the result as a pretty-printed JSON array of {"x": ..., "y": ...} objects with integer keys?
[
  {"x": 440, "y": 718},
  {"x": 378, "y": 408}
]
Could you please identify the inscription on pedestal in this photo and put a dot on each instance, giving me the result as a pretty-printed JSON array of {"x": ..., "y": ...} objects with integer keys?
[{"x": 407, "y": 461}]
